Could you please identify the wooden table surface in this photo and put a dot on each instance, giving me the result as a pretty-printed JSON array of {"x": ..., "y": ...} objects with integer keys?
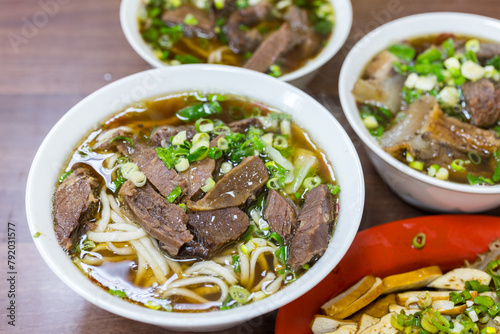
[{"x": 53, "y": 53}]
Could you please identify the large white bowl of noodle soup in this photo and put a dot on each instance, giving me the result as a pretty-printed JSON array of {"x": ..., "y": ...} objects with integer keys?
[
  {"x": 52, "y": 155},
  {"x": 412, "y": 186},
  {"x": 300, "y": 77}
]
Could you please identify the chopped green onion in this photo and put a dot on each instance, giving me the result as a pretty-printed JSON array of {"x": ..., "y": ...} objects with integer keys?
[
  {"x": 418, "y": 165},
  {"x": 432, "y": 171},
  {"x": 298, "y": 195},
  {"x": 419, "y": 240},
  {"x": 282, "y": 253},
  {"x": 204, "y": 125},
  {"x": 239, "y": 294},
  {"x": 476, "y": 286},
  {"x": 183, "y": 207},
  {"x": 275, "y": 236},
  {"x": 222, "y": 143},
  {"x": 167, "y": 155},
  {"x": 236, "y": 263},
  {"x": 182, "y": 165},
  {"x": 190, "y": 20},
  {"x": 215, "y": 153},
  {"x": 179, "y": 138},
  {"x": 273, "y": 183},
  {"x": 458, "y": 165},
  {"x": 174, "y": 194},
  {"x": 152, "y": 306},
  {"x": 474, "y": 157},
  {"x": 333, "y": 189},
  {"x": 222, "y": 129},
  {"x": 311, "y": 182},
  {"x": 472, "y": 45},
  {"x": 226, "y": 167},
  {"x": 122, "y": 160},
  {"x": 280, "y": 143},
  {"x": 199, "y": 152},
  {"x": 484, "y": 300},
  {"x": 236, "y": 113},
  {"x": 36, "y": 235},
  {"x": 209, "y": 184},
  {"x": 188, "y": 59},
  {"x": 403, "y": 51},
  {"x": 122, "y": 138},
  {"x": 442, "y": 174},
  {"x": 64, "y": 176},
  {"x": 275, "y": 71},
  {"x": 448, "y": 47},
  {"x": 201, "y": 137},
  {"x": 118, "y": 293},
  {"x": 429, "y": 56}
]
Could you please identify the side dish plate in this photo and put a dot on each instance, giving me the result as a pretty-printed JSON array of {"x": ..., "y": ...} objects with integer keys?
[{"x": 387, "y": 249}]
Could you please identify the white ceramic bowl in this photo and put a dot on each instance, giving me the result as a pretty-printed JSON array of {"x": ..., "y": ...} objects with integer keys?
[
  {"x": 299, "y": 78},
  {"x": 76, "y": 123},
  {"x": 414, "y": 187}
]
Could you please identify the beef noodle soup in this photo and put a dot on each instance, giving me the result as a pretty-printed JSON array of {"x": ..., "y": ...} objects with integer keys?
[
  {"x": 195, "y": 202},
  {"x": 275, "y": 37},
  {"x": 434, "y": 103}
]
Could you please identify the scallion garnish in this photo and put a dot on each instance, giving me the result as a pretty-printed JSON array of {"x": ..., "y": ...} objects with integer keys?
[
  {"x": 419, "y": 240},
  {"x": 174, "y": 194},
  {"x": 122, "y": 138}
]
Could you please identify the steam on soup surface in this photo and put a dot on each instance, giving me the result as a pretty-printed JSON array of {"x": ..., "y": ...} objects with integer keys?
[
  {"x": 195, "y": 202},
  {"x": 275, "y": 37},
  {"x": 434, "y": 103}
]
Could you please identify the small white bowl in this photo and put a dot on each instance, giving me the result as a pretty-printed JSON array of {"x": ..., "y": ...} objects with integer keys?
[
  {"x": 418, "y": 189},
  {"x": 325, "y": 131},
  {"x": 299, "y": 78}
]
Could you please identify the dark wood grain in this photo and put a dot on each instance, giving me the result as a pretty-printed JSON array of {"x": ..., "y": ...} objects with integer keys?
[{"x": 76, "y": 49}]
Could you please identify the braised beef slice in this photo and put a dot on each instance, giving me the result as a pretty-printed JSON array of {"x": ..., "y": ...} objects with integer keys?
[
  {"x": 311, "y": 238},
  {"x": 75, "y": 201},
  {"x": 295, "y": 31},
  {"x": 161, "y": 136},
  {"x": 480, "y": 97},
  {"x": 243, "y": 125},
  {"x": 197, "y": 175},
  {"x": 281, "y": 214},
  {"x": 214, "y": 230},
  {"x": 163, "y": 179},
  {"x": 235, "y": 187},
  {"x": 249, "y": 40},
  {"x": 276, "y": 44},
  {"x": 162, "y": 220},
  {"x": 204, "y": 27},
  {"x": 488, "y": 51}
]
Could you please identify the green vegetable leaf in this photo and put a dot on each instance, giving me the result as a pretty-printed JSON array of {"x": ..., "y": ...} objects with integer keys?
[
  {"x": 188, "y": 59},
  {"x": 174, "y": 194},
  {"x": 64, "y": 176},
  {"x": 199, "y": 110},
  {"x": 473, "y": 180},
  {"x": 403, "y": 52},
  {"x": 118, "y": 293}
]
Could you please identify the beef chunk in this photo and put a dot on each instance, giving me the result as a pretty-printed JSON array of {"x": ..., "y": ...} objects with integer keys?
[
  {"x": 311, "y": 238},
  {"x": 249, "y": 40},
  {"x": 197, "y": 175},
  {"x": 161, "y": 136},
  {"x": 204, "y": 27},
  {"x": 281, "y": 214},
  {"x": 245, "y": 124},
  {"x": 165, "y": 180},
  {"x": 488, "y": 51},
  {"x": 271, "y": 49},
  {"x": 214, "y": 230},
  {"x": 234, "y": 188},
  {"x": 75, "y": 200},
  {"x": 162, "y": 220},
  {"x": 480, "y": 97}
]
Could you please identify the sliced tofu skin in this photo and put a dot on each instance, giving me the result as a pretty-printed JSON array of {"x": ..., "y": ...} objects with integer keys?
[
  {"x": 382, "y": 327},
  {"x": 411, "y": 280},
  {"x": 373, "y": 293},
  {"x": 402, "y": 297},
  {"x": 366, "y": 321},
  {"x": 395, "y": 308},
  {"x": 322, "y": 324},
  {"x": 349, "y": 296},
  {"x": 442, "y": 307},
  {"x": 347, "y": 329},
  {"x": 378, "y": 309},
  {"x": 456, "y": 278}
]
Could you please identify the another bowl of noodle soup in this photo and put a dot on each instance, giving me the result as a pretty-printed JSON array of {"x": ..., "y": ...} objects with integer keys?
[
  {"x": 203, "y": 251},
  {"x": 288, "y": 40}
]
